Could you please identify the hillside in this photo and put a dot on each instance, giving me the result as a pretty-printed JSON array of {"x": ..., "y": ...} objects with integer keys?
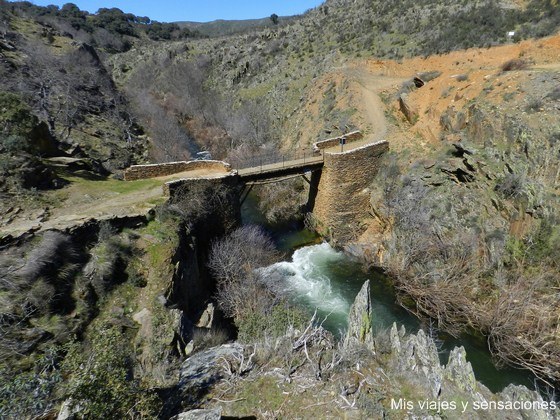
[
  {"x": 268, "y": 73},
  {"x": 222, "y": 27}
]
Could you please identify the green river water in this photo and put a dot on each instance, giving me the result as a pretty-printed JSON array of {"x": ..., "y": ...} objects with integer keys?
[{"x": 317, "y": 277}]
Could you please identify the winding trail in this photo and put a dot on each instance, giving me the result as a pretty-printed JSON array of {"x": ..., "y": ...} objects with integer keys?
[{"x": 373, "y": 109}]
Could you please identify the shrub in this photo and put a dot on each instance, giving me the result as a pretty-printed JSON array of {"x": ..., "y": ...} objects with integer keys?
[
  {"x": 13, "y": 143},
  {"x": 512, "y": 185},
  {"x": 534, "y": 105},
  {"x": 47, "y": 259},
  {"x": 271, "y": 324},
  {"x": 16, "y": 121},
  {"x": 101, "y": 380},
  {"x": 109, "y": 258},
  {"x": 205, "y": 339},
  {"x": 244, "y": 293},
  {"x": 28, "y": 394},
  {"x": 555, "y": 94},
  {"x": 515, "y": 64}
]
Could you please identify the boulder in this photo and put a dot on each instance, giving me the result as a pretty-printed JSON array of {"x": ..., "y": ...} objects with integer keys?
[
  {"x": 359, "y": 320},
  {"x": 408, "y": 109},
  {"x": 207, "y": 318},
  {"x": 200, "y": 371}
]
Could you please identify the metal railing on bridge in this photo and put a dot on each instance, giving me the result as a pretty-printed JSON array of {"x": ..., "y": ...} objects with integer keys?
[{"x": 281, "y": 160}]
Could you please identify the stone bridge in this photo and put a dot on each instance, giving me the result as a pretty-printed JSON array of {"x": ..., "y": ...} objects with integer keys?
[{"x": 339, "y": 195}]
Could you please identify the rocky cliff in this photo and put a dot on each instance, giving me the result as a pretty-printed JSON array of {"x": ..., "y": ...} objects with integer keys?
[{"x": 391, "y": 375}]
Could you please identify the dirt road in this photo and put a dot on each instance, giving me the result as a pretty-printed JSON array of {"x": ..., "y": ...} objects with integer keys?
[{"x": 84, "y": 199}]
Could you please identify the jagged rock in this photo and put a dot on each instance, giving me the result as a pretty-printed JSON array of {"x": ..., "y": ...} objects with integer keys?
[
  {"x": 463, "y": 149},
  {"x": 416, "y": 354},
  {"x": 359, "y": 319},
  {"x": 520, "y": 393},
  {"x": 407, "y": 109},
  {"x": 200, "y": 415},
  {"x": 459, "y": 371},
  {"x": 456, "y": 170},
  {"x": 207, "y": 318},
  {"x": 395, "y": 338},
  {"x": 202, "y": 370}
]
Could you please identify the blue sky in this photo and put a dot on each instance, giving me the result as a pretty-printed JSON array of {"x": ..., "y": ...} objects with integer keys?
[{"x": 196, "y": 10}]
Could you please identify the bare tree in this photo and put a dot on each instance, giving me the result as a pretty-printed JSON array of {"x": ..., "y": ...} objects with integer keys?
[{"x": 233, "y": 261}]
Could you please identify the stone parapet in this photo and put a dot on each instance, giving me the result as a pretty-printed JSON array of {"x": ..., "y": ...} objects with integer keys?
[
  {"x": 335, "y": 141},
  {"x": 165, "y": 169}
]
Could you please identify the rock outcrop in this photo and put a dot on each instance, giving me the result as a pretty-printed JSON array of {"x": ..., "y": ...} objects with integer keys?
[
  {"x": 402, "y": 378},
  {"x": 200, "y": 371},
  {"x": 360, "y": 320},
  {"x": 408, "y": 109},
  {"x": 417, "y": 355}
]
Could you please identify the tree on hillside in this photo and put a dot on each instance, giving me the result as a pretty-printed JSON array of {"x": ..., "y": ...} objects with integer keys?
[
  {"x": 274, "y": 18},
  {"x": 115, "y": 20}
]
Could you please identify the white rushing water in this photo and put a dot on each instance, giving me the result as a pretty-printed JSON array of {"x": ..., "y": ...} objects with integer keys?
[{"x": 307, "y": 279}]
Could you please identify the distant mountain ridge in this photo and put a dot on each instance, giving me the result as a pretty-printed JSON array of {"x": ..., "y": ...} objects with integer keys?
[{"x": 223, "y": 27}]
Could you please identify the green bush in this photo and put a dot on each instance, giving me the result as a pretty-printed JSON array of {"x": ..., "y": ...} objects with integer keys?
[
  {"x": 29, "y": 394},
  {"x": 101, "y": 380},
  {"x": 16, "y": 120}
]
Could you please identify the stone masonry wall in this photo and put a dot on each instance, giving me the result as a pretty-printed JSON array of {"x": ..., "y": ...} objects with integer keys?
[
  {"x": 164, "y": 169},
  {"x": 171, "y": 188},
  {"x": 335, "y": 141},
  {"x": 343, "y": 197}
]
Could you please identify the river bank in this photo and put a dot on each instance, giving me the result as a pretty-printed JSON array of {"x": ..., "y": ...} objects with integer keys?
[{"x": 315, "y": 276}]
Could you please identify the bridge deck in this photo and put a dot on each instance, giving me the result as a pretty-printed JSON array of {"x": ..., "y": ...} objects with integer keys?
[{"x": 280, "y": 169}]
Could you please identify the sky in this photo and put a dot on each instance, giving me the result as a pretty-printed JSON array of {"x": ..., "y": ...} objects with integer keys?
[{"x": 196, "y": 10}]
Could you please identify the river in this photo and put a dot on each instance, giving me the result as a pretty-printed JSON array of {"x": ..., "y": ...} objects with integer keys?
[{"x": 314, "y": 276}]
